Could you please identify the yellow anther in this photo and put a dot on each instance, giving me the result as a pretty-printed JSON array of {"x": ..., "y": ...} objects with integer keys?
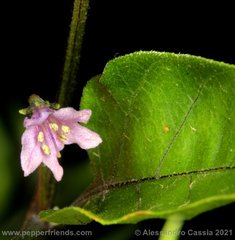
[
  {"x": 40, "y": 136},
  {"x": 63, "y": 138},
  {"x": 65, "y": 129},
  {"x": 58, "y": 155},
  {"x": 54, "y": 126},
  {"x": 46, "y": 149}
]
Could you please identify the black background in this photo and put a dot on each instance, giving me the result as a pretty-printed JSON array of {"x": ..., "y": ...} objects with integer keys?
[{"x": 34, "y": 35}]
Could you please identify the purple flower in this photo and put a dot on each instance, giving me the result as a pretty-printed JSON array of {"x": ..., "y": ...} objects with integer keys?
[{"x": 48, "y": 130}]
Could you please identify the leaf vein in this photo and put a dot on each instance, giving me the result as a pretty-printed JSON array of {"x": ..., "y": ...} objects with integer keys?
[
  {"x": 133, "y": 182},
  {"x": 177, "y": 133}
]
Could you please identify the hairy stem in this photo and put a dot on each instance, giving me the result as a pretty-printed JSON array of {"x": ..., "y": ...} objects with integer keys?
[
  {"x": 42, "y": 200},
  {"x": 46, "y": 186},
  {"x": 46, "y": 182},
  {"x": 171, "y": 229},
  {"x": 73, "y": 52},
  {"x": 45, "y": 190}
]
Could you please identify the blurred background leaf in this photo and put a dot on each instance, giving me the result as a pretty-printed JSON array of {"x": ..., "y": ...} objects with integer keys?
[
  {"x": 18, "y": 187},
  {"x": 5, "y": 172}
]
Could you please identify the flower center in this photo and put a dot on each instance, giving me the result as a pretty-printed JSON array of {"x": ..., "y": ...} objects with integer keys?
[
  {"x": 61, "y": 133},
  {"x": 60, "y": 130}
]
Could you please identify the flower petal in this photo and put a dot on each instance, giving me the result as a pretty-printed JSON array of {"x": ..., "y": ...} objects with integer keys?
[
  {"x": 70, "y": 114},
  {"x": 31, "y": 155},
  {"x": 84, "y": 137},
  {"x": 38, "y": 117},
  {"x": 52, "y": 163}
]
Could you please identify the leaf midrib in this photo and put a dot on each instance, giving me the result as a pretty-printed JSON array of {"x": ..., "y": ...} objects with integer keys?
[{"x": 115, "y": 185}]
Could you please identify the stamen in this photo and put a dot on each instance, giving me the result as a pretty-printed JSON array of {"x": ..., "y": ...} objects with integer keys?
[
  {"x": 63, "y": 138},
  {"x": 46, "y": 149},
  {"x": 65, "y": 129},
  {"x": 58, "y": 155},
  {"x": 40, "y": 136},
  {"x": 54, "y": 126}
]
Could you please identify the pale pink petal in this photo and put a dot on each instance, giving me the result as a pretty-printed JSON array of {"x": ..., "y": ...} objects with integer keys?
[
  {"x": 84, "y": 137},
  {"x": 38, "y": 117},
  {"x": 52, "y": 163},
  {"x": 31, "y": 155},
  {"x": 70, "y": 114}
]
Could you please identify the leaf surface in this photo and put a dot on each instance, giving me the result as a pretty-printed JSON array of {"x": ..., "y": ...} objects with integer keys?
[{"x": 167, "y": 123}]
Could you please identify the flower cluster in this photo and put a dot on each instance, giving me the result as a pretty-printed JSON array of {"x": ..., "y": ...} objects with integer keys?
[{"x": 48, "y": 130}]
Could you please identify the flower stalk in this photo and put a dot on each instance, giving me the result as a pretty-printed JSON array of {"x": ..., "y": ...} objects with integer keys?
[{"x": 44, "y": 195}]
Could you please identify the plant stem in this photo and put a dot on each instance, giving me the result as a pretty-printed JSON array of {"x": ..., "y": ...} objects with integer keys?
[
  {"x": 46, "y": 183},
  {"x": 73, "y": 52},
  {"x": 42, "y": 199},
  {"x": 172, "y": 227},
  {"x": 46, "y": 186}
]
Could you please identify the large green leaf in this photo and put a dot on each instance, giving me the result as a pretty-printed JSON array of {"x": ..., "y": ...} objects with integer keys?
[{"x": 168, "y": 128}]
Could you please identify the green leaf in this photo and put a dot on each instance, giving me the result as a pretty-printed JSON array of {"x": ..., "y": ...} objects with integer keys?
[{"x": 168, "y": 128}]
